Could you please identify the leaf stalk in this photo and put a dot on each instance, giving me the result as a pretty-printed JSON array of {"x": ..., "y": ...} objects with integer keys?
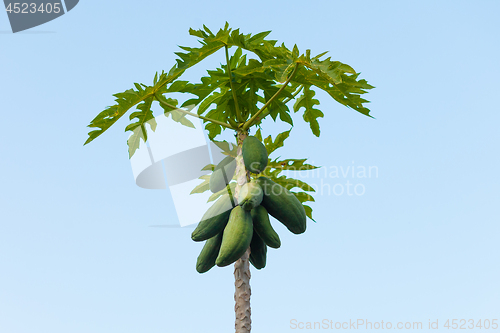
[
  {"x": 236, "y": 106},
  {"x": 251, "y": 120},
  {"x": 194, "y": 114}
]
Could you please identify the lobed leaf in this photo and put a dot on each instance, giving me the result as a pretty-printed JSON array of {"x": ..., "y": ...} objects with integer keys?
[
  {"x": 291, "y": 165},
  {"x": 339, "y": 83},
  {"x": 307, "y": 101},
  {"x": 278, "y": 142},
  {"x": 229, "y": 149},
  {"x": 204, "y": 186},
  {"x": 303, "y": 196},
  {"x": 215, "y": 196},
  {"x": 308, "y": 212},
  {"x": 145, "y": 115}
]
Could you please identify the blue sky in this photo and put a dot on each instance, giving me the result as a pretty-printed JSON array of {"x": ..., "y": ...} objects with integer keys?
[{"x": 77, "y": 250}]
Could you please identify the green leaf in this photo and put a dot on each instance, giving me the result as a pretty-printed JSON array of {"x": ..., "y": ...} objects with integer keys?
[
  {"x": 229, "y": 149},
  {"x": 214, "y": 98},
  {"x": 281, "y": 68},
  {"x": 110, "y": 115},
  {"x": 145, "y": 115},
  {"x": 174, "y": 112},
  {"x": 308, "y": 212},
  {"x": 213, "y": 130},
  {"x": 303, "y": 196},
  {"x": 215, "y": 196},
  {"x": 291, "y": 183},
  {"x": 258, "y": 135},
  {"x": 277, "y": 143},
  {"x": 291, "y": 165},
  {"x": 204, "y": 186},
  {"x": 276, "y": 107},
  {"x": 210, "y": 44},
  {"x": 236, "y": 58},
  {"x": 128, "y": 99},
  {"x": 307, "y": 101},
  {"x": 340, "y": 81},
  {"x": 208, "y": 167}
]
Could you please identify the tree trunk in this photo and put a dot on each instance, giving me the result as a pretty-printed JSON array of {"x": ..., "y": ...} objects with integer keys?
[{"x": 242, "y": 292}]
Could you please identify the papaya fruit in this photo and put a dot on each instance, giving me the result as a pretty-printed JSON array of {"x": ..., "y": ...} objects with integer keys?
[
  {"x": 258, "y": 252},
  {"x": 262, "y": 226},
  {"x": 214, "y": 220},
  {"x": 250, "y": 195},
  {"x": 222, "y": 175},
  {"x": 210, "y": 251},
  {"x": 283, "y": 205},
  {"x": 236, "y": 238},
  {"x": 254, "y": 154}
]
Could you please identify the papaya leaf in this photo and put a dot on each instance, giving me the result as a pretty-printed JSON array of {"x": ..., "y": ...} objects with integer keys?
[
  {"x": 215, "y": 196},
  {"x": 128, "y": 99},
  {"x": 236, "y": 58},
  {"x": 180, "y": 117},
  {"x": 290, "y": 183},
  {"x": 271, "y": 173},
  {"x": 277, "y": 69},
  {"x": 174, "y": 113},
  {"x": 213, "y": 130},
  {"x": 110, "y": 115},
  {"x": 208, "y": 167},
  {"x": 307, "y": 101},
  {"x": 214, "y": 98},
  {"x": 254, "y": 66},
  {"x": 290, "y": 164},
  {"x": 204, "y": 186},
  {"x": 308, "y": 212},
  {"x": 145, "y": 115},
  {"x": 277, "y": 143},
  {"x": 229, "y": 149},
  {"x": 210, "y": 44},
  {"x": 347, "y": 92},
  {"x": 303, "y": 196},
  {"x": 258, "y": 135},
  {"x": 208, "y": 85},
  {"x": 277, "y": 107}
]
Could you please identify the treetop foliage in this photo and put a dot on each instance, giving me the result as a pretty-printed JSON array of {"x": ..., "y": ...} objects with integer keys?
[
  {"x": 240, "y": 94},
  {"x": 229, "y": 96}
]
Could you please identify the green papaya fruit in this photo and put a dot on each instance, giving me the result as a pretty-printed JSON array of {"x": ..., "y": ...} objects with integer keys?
[
  {"x": 283, "y": 205},
  {"x": 250, "y": 196},
  {"x": 214, "y": 220},
  {"x": 254, "y": 154},
  {"x": 262, "y": 226},
  {"x": 222, "y": 175},
  {"x": 210, "y": 251},
  {"x": 258, "y": 252},
  {"x": 236, "y": 238}
]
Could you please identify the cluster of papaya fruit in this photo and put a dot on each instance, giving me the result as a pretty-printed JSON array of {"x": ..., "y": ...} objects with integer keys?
[{"x": 231, "y": 225}]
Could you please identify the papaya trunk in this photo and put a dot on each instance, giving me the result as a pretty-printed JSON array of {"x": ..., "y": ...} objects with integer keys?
[{"x": 242, "y": 266}]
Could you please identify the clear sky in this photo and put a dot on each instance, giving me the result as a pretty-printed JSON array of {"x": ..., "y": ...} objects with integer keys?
[{"x": 77, "y": 250}]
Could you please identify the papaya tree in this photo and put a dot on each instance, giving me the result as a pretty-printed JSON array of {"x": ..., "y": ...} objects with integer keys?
[{"x": 258, "y": 79}]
